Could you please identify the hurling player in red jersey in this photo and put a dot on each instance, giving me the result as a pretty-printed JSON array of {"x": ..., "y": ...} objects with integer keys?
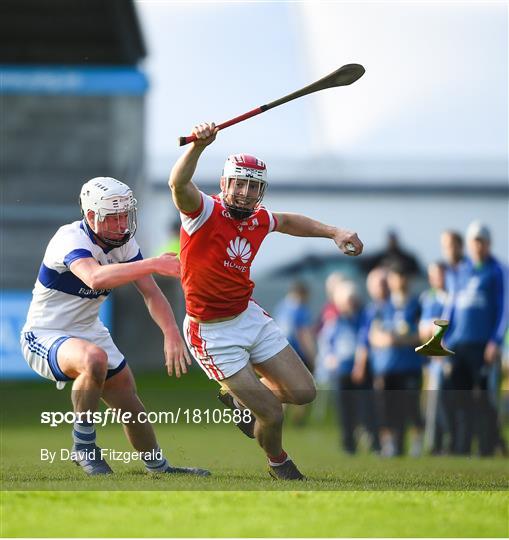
[{"x": 234, "y": 341}]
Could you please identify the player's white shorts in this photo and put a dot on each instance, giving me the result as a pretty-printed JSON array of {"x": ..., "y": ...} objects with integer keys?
[
  {"x": 40, "y": 349},
  {"x": 221, "y": 349}
]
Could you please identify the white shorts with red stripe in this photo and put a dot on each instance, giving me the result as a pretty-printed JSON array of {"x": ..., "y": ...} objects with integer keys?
[{"x": 224, "y": 348}]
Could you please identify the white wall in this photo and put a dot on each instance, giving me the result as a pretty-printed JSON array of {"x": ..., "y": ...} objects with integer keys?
[{"x": 419, "y": 221}]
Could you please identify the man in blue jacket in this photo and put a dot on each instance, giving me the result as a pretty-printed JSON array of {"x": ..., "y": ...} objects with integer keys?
[{"x": 479, "y": 320}]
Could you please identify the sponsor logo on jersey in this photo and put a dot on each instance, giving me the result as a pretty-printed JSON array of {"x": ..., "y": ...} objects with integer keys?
[
  {"x": 230, "y": 264},
  {"x": 90, "y": 292},
  {"x": 239, "y": 248}
]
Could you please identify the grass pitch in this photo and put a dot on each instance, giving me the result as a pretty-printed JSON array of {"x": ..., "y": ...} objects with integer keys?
[
  {"x": 344, "y": 496},
  {"x": 254, "y": 514}
]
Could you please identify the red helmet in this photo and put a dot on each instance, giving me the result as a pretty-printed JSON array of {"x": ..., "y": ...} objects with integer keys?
[{"x": 253, "y": 171}]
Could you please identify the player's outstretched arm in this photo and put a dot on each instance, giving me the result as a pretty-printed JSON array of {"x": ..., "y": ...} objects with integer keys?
[
  {"x": 299, "y": 225},
  {"x": 175, "y": 352},
  {"x": 185, "y": 194},
  {"x": 109, "y": 276}
]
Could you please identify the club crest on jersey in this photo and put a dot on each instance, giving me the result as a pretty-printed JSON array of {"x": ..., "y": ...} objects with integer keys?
[
  {"x": 251, "y": 226},
  {"x": 239, "y": 248}
]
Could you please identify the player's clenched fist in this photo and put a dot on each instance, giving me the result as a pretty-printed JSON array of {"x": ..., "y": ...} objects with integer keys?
[
  {"x": 348, "y": 242},
  {"x": 168, "y": 265},
  {"x": 205, "y": 134}
]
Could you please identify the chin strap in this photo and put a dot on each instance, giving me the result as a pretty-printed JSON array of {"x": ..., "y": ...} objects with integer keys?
[
  {"x": 116, "y": 243},
  {"x": 239, "y": 213}
]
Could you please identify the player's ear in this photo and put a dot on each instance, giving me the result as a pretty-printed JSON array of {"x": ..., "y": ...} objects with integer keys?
[
  {"x": 222, "y": 183},
  {"x": 91, "y": 218}
]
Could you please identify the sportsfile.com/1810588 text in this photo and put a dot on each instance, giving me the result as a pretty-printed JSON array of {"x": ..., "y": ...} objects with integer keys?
[{"x": 118, "y": 416}]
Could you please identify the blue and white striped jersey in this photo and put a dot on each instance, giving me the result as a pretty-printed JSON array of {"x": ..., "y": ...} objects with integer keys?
[{"x": 61, "y": 301}]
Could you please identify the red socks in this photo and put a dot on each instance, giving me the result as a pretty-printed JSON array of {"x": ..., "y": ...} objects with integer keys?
[{"x": 278, "y": 460}]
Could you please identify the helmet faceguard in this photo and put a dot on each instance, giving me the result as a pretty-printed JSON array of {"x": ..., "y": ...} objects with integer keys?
[
  {"x": 244, "y": 181},
  {"x": 114, "y": 208}
]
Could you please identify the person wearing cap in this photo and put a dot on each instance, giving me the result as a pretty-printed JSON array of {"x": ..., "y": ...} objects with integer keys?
[{"x": 479, "y": 319}]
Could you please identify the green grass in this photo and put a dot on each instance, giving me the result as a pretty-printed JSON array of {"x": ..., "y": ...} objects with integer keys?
[
  {"x": 344, "y": 496},
  {"x": 254, "y": 514}
]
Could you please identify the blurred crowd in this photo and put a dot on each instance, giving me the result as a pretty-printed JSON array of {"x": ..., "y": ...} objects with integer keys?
[{"x": 389, "y": 398}]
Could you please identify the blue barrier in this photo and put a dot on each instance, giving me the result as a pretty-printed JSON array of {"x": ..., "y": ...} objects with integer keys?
[{"x": 13, "y": 311}]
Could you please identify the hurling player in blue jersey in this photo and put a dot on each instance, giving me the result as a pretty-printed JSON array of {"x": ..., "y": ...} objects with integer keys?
[
  {"x": 479, "y": 320},
  {"x": 63, "y": 338}
]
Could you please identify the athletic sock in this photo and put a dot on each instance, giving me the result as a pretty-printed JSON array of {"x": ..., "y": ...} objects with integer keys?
[
  {"x": 83, "y": 434},
  {"x": 160, "y": 464},
  {"x": 237, "y": 404},
  {"x": 275, "y": 461}
]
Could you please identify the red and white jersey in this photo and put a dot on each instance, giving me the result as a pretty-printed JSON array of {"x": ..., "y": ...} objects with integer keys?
[{"x": 216, "y": 252}]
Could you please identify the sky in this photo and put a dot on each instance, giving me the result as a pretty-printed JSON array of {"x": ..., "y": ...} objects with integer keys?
[
  {"x": 431, "y": 108},
  {"x": 432, "y": 104}
]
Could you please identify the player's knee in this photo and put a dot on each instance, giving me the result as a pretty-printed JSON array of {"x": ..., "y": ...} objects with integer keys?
[
  {"x": 95, "y": 363},
  {"x": 304, "y": 395}
]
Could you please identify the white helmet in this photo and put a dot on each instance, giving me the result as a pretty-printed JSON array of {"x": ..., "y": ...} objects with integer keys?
[
  {"x": 244, "y": 167},
  {"x": 107, "y": 196}
]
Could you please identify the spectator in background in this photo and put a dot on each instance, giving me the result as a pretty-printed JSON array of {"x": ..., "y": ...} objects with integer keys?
[
  {"x": 294, "y": 318},
  {"x": 339, "y": 359},
  {"x": 433, "y": 302},
  {"x": 324, "y": 377},
  {"x": 504, "y": 387},
  {"x": 451, "y": 243},
  {"x": 397, "y": 367},
  {"x": 479, "y": 320},
  {"x": 378, "y": 291},
  {"x": 172, "y": 244},
  {"x": 362, "y": 372},
  {"x": 330, "y": 310},
  {"x": 393, "y": 253}
]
